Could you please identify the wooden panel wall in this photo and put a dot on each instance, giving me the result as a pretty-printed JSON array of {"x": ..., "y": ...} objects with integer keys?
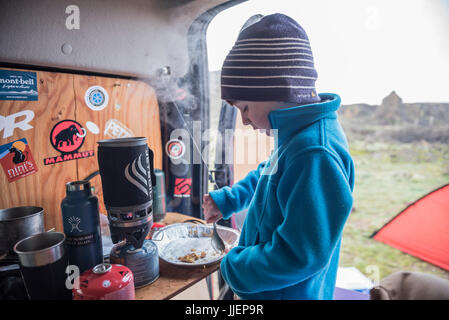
[{"x": 60, "y": 97}]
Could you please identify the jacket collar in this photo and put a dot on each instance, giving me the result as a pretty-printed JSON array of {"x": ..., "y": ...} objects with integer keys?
[{"x": 292, "y": 120}]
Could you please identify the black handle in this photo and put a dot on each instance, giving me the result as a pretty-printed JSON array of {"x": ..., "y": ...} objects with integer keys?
[{"x": 153, "y": 176}]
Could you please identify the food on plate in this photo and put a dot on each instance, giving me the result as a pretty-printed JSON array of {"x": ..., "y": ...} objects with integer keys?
[
  {"x": 192, "y": 257},
  {"x": 207, "y": 233},
  {"x": 193, "y": 233}
]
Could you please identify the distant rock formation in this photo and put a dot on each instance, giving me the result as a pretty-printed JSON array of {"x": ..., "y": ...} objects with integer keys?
[
  {"x": 393, "y": 111},
  {"x": 392, "y": 100}
]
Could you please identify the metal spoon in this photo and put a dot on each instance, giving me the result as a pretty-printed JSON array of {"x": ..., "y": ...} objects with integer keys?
[{"x": 217, "y": 242}]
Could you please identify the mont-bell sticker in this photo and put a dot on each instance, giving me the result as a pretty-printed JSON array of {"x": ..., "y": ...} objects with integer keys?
[
  {"x": 17, "y": 160},
  {"x": 18, "y": 85}
]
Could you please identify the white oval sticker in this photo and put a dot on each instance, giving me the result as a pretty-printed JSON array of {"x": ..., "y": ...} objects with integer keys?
[{"x": 92, "y": 127}]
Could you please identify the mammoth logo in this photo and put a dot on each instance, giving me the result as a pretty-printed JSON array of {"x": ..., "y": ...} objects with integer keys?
[
  {"x": 67, "y": 137},
  {"x": 138, "y": 175}
]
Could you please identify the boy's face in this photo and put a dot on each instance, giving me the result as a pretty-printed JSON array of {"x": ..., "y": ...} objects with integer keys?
[{"x": 255, "y": 113}]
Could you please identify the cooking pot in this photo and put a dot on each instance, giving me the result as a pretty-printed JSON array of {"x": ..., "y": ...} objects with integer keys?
[{"x": 18, "y": 223}]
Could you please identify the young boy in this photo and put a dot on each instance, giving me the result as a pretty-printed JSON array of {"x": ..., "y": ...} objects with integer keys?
[{"x": 299, "y": 199}]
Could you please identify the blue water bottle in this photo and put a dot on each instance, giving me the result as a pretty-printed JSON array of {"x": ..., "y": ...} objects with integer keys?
[{"x": 81, "y": 222}]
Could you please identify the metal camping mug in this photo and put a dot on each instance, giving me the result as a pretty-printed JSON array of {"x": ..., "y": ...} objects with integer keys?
[
  {"x": 43, "y": 262},
  {"x": 18, "y": 223}
]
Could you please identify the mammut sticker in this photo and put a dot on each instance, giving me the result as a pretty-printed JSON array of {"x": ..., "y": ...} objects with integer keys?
[
  {"x": 17, "y": 160},
  {"x": 67, "y": 137}
]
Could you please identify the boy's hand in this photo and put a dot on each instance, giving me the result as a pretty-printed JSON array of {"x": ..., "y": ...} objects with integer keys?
[{"x": 210, "y": 209}]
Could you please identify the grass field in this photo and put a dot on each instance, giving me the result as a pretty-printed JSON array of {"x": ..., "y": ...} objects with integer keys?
[{"x": 389, "y": 176}]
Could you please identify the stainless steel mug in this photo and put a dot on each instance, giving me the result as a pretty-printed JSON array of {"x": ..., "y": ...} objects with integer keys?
[
  {"x": 43, "y": 262},
  {"x": 18, "y": 223}
]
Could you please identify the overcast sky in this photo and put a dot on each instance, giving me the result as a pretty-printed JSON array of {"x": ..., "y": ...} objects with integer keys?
[{"x": 363, "y": 49}]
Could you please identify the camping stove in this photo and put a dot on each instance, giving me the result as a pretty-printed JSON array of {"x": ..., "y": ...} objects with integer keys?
[
  {"x": 130, "y": 224},
  {"x": 127, "y": 178}
]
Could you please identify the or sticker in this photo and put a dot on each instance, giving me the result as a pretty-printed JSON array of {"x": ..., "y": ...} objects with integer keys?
[
  {"x": 175, "y": 148},
  {"x": 17, "y": 160},
  {"x": 18, "y": 85},
  {"x": 182, "y": 187},
  {"x": 9, "y": 123},
  {"x": 115, "y": 129},
  {"x": 96, "y": 98},
  {"x": 67, "y": 137}
]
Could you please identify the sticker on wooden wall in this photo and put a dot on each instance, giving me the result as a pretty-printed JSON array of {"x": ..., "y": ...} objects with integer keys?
[
  {"x": 115, "y": 129},
  {"x": 17, "y": 160},
  {"x": 175, "y": 148},
  {"x": 96, "y": 98},
  {"x": 19, "y": 120},
  {"x": 92, "y": 127},
  {"x": 182, "y": 187},
  {"x": 18, "y": 85},
  {"x": 67, "y": 137}
]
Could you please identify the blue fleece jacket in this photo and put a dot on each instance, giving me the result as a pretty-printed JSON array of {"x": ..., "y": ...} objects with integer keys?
[{"x": 298, "y": 202}]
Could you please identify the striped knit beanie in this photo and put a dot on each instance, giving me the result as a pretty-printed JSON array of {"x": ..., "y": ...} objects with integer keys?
[{"x": 270, "y": 61}]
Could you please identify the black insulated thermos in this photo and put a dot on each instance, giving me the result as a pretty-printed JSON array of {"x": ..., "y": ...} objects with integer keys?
[{"x": 81, "y": 222}]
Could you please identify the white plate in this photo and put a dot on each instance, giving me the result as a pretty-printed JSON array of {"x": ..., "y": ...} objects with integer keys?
[{"x": 178, "y": 240}]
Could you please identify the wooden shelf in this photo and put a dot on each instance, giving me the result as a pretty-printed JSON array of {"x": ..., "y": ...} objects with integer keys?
[{"x": 174, "y": 280}]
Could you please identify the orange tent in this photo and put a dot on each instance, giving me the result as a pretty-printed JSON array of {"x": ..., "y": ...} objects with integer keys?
[{"x": 421, "y": 229}]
